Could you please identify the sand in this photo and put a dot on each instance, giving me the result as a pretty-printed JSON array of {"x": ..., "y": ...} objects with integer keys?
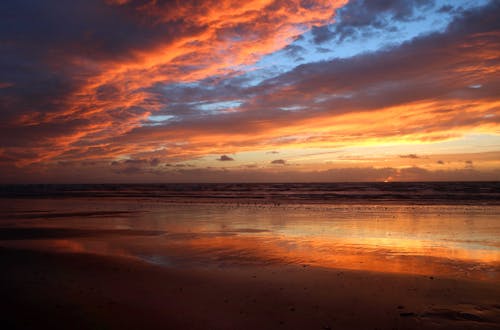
[
  {"x": 105, "y": 263},
  {"x": 48, "y": 290}
]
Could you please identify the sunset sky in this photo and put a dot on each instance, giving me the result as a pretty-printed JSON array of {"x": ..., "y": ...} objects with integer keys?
[{"x": 254, "y": 90}]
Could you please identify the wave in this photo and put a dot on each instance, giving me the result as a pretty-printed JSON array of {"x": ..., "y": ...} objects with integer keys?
[{"x": 425, "y": 192}]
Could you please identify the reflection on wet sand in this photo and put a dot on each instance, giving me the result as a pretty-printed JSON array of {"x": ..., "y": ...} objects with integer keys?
[{"x": 449, "y": 241}]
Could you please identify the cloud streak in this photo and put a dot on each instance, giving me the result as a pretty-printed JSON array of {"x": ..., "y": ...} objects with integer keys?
[
  {"x": 427, "y": 94},
  {"x": 98, "y": 82},
  {"x": 137, "y": 83},
  {"x": 225, "y": 158}
]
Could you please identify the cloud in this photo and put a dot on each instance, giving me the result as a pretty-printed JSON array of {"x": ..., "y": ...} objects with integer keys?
[
  {"x": 129, "y": 167},
  {"x": 135, "y": 161},
  {"x": 224, "y": 158},
  {"x": 84, "y": 79},
  {"x": 413, "y": 156},
  {"x": 469, "y": 164},
  {"x": 83, "y": 71},
  {"x": 99, "y": 173},
  {"x": 294, "y": 51},
  {"x": 278, "y": 162},
  {"x": 360, "y": 16},
  {"x": 429, "y": 87},
  {"x": 321, "y": 34}
]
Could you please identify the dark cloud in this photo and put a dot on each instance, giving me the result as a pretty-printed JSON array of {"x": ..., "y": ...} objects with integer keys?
[
  {"x": 294, "y": 51},
  {"x": 49, "y": 51},
  {"x": 89, "y": 29},
  {"x": 53, "y": 50},
  {"x": 359, "y": 15},
  {"x": 413, "y": 156},
  {"x": 440, "y": 162},
  {"x": 135, "y": 161},
  {"x": 179, "y": 165},
  {"x": 50, "y": 48},
  {"x": 321, "y": 34},
  {"x": 278, "y": 162},
  {"x": 419, "y": 72},
  {"x": 224, "y": 158},
  {"x": 446, "y": 9},
  {"x": 134, "y": 166},
  {"x": 436, "y": 67}
]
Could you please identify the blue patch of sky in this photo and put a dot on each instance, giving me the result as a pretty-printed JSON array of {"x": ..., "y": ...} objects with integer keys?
[
  {"x": 429, "y": 19},
  {"x": 293, "y": 108},
  {"x": 369, "y": 39},
  {"x": 214, "y": 107},
  {"x": 157, "y": 118},
  {"x": 205, "y": 107}
]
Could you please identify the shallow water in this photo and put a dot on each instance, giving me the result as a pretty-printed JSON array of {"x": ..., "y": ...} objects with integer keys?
[{"x": 435, "y": 240}]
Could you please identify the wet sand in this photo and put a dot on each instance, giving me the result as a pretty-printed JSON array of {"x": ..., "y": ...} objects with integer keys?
[
  {"x": 45, "y": 290},
  {"x": 146, "y": 264}
]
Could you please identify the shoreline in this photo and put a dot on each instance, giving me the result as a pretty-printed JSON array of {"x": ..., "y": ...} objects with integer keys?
[{"x": 280, "y": 201}]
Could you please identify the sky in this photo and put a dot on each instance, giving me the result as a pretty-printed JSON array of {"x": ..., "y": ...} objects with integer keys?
[{"x": 109, "y": 91}]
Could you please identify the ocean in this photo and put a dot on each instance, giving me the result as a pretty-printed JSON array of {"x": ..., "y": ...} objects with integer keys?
[{"x": 484, "y": 193}]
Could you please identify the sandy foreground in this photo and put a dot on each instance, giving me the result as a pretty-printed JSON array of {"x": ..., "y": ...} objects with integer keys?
[
  {"x": 143, "y": 264},
  {"x": 46, "y": 290}
]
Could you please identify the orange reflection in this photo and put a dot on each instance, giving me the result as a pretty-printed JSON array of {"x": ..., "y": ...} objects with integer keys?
[
  {"x": 371, "y": 254},
  {"x": 446, "y": 241}
]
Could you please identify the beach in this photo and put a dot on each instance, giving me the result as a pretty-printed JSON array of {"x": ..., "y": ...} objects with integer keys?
[
  {"x": 81, "y": 291},
  {"x": 126, "y": 263},
  {"x": 250, "y": 165}
]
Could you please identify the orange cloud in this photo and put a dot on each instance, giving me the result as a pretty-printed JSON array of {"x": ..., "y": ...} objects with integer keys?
[
  {"x": 410, "y": 94},
  {"x": 261, "y": 27}
]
